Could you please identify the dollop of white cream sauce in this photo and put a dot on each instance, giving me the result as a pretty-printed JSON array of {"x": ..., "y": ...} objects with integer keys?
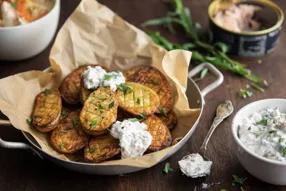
[
  {"x": 133, "y": 137},
  {"x": 264, "y": 133},
  {"x": 94, "y": 77},
  {"x": 194, "y": 166}
]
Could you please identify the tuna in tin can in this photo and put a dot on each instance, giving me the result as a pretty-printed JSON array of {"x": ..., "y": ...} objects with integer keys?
[{"x": 249, "y": 28}]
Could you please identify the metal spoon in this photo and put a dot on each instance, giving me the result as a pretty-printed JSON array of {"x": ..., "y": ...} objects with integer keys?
[{"x": 223, "y": 111}]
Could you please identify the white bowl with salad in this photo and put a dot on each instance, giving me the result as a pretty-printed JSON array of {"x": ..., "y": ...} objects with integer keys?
[
  {"x": 259, "y": 133},
  {"x": 27, "y": 27}
]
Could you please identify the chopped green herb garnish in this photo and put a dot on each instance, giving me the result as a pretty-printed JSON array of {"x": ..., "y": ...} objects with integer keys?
[
  {"x": 100, "y": 107},
  {"x": 47, "y": 91},
  {"x": 64, "y": 113},
  {"x": 133, "y": 119},
  {"x": 249, "y": 128},
  {"x": 93, "y": 124},
  {"x": 204, "y": 73},
  {"x": 280, "y": 140},
  {"x": 91, "y": 150},
  {"x": 29, "y": 121},
  {"x": 13, "y": 4},
  {"x": 36, "y": 116},
  {"x": 66, "y": 130},
  {"x": 167, "y": 168},
  {"x": 245, "y": 93},
  {"x": 222, "y": 189},
  {"x": 101, "y": 99},
  {"x": 107, "y": 77},
  {"x": 86, "y": 121},
  {"x": 162, "y": 111},
  {"x": 262, "y": 122},
  {"x": 143, "y": 116},
  {"x": 138, "y": 101},
  {"x": 155, "y": 83},
  {"x": 75, "y": 121},
  {"x": 238, "y": 180},
  {"x": 241, "y": 188},
  {"x": 255, "y": 86},
  {"x": 272, "y": 131},
  {"x": 124, "y": 88},
  {"x": 233, "y": 184},
  {"x": 61, "y": 147},
  {"x": 111, "y": 105}
]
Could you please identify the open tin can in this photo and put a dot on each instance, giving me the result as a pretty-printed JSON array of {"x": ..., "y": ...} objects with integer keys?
[{"x": 251, "y": 43}]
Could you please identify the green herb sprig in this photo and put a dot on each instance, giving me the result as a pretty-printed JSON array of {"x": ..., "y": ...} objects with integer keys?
[
  {"x": 167, "y": 168},
  {"x": 212, "y": 53}
]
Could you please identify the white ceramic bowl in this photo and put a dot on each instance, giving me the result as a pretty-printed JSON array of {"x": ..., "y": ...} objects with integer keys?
[
  {"x": 270, "y": 171},
  {"x": 25, "y": 41}
]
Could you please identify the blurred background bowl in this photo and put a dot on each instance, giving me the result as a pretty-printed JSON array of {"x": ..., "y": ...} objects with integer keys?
[{"x": 25, "y": 41}]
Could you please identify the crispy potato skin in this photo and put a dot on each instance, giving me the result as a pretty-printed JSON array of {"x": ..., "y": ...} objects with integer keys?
[
  {"x": 70, "y": 86},
  {"x": 69, "y": 137},
  {"x": 151, "y": 77},
  {"x": 84, "y": 94},
  {"x": 160, "y": 133},
  {"x": 47, "y": 111},
  {"x": 148, "y": 99},
  {"x": 99, "y": 111},
  {"x": 101, "y": 148},
  {"x": 170, "y": 120}
]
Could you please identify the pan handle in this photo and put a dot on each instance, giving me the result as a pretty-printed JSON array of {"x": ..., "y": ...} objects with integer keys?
[
  {"x": 17, "y": 145},
  {"x": 212, "y": 69}
]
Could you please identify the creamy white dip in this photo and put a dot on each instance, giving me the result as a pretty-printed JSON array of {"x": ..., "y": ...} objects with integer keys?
[
  {"x": 133, "y": 137},
  {"x": 264, "y": 133},
  {"x": 94, "y": 77},
  {"x": 195, "y": 166}
]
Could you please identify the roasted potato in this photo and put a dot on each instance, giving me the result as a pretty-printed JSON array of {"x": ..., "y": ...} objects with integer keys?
[
  {"x": 101, "y": 148},
  {"x": 160, "y": 133},
  {"x": 47, "y": 110},
  {"x": 170, "y": 120},
  {"x": 99, "y": 111},
  {"x": 69, "y": 136},
  {"x": 70, "y": 86},
  {"x": 84, "y": 93},
  {"x": 137, "y": 99},
  {"x": 151, "y": 77},
  {"x": 130, "y": 74}
]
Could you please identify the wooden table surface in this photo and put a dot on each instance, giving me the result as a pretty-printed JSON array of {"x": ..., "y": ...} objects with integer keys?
[{"x": 19, "y": 170}]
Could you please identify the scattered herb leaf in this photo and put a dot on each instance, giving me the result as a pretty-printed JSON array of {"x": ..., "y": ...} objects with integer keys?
[
  {"x": 262, "y": 122},
  {"x": 47, "y": 91},
  {"x": 92, "y": 150},
  {"x": 13, "y": 4},
  {"x": 272, "y": 131},
  {"x": 204, "y": 73},
  {"x": 107, "y": 77},
  {"x": 154, "y": 82},
  {"x": 238, "y": 180},
  {"x": 256, "y": 87},
  {"x": 29, "y": 121},
  {"x": 245, "y": 93},
  {"x": 36, "y": 116},
  {"x": 111, "y": 105},
  {"x": 138, "y": 101},
  {"x": 133, "y": 119},
  {"x": 64, "y": 113},
  {"x": 241, "y": 188},
  {"x": 93, "y": 124},
  {"x": 162, "y": 110},
  {"x": 75, "y": 121},
  {"x": 143, "y": 116},
  {"x": 280, "y": 140},
  {"x": 167, "y": 168},
  {"x": 61, "y": 147},
  {"x": 100, "y": 107},
  {"x": 284, "y": 151},
  {"x": 124, "y": 88},
  {"x": 222, "y": 189},
  {"x": 66, "y": 129}
]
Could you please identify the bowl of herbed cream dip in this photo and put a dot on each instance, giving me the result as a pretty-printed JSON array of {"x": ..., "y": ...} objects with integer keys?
[{"x": 259, "y": 134}]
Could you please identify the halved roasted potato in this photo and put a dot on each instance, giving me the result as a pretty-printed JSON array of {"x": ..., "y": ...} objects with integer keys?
[
  {"x": 151, "y": 77},
  {"x": 69, "y": 136},
  {"x": 161, "y": 136},
  {"x": 137, "y": 99},
  {"x": 47, "y": 110},
  {"x": 101, "y": 148},
  {"x": 130, "y": 74},
  {"x": 170, "y": 120},
  {"x": 70, "y": 86},
  {"x": 99, "y": 111}
]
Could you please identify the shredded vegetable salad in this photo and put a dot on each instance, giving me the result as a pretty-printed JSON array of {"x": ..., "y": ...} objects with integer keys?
[{"x": 20, "y": 12}]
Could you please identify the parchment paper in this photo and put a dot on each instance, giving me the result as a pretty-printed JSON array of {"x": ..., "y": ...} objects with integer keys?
[{"x": 94, "y": 34}]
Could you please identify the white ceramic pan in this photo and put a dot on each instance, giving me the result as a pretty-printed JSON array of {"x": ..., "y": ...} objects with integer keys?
[{"x": 196, "y": 100}]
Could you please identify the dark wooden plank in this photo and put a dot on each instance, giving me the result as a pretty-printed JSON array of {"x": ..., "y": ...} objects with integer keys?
[{"x": 19, "y": 170}]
